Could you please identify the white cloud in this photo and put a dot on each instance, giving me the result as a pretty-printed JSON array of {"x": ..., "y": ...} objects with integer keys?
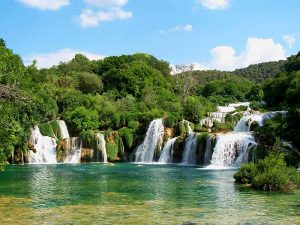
[
  {"x": 99, "y": 11},
  {"x": 290, "y": 40},
  {"x": 107, "y": 3},
  {"x": 89, "y": 18},
  {"x": 257, "y": 50},
  {"x": 187, "y": 28},
  {"x": 47, "y": 60},
  {"x": 214, "y": 4},
  {"x": 45, "y": 4}
]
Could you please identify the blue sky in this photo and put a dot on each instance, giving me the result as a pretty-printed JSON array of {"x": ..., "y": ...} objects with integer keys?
[{"x": 212, "y": 34}]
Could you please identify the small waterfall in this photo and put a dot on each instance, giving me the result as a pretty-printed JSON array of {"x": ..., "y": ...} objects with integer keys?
[
  {"x": 63, "y": 129},
  {"x": 100, "y": 139},
  {"x": 189, "y": 152},
  {"x": 209, "y": 149},
  {"x": 167, "y": 152},
  {"x": 73, "y": 150},
  {"x": 232, "y": 149},
  {"x": 245, "y": 122},
  {"x": 152, "y": 141},
  {"x": 45, "y": 148}
]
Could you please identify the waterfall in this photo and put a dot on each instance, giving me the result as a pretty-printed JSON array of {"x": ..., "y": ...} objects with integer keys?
[
  {"x": 208, "y": 149},
  {"x": 232, "y": 149},
  {"x": 63, "y": 129},
  {"x": 245, "y": 122},
  {"x": 73, "y": 150},
  {"x": 101, "y": 146},
  {"x": 167, "y": 152},
  {"x": 189, "y": 152},
  {"x": 152, "y": 141},
  {"x": 45, "y": 148}
]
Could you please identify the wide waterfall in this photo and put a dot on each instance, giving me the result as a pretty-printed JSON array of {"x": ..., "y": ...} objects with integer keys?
[
  {"x": 245, "y": 122},
  {"x": 44, "y": 146},
  {"x": 101, "y": 146},
  {"x": 73, "y": 150},
  {"x": 167, "y": 152},
  {"x": 232, "y": 149},
  {"x": 64, "y": 133},
  {"x": 153, "y": 141}
]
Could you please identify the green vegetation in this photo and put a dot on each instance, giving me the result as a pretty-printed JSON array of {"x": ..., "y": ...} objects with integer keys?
[
  {"x": 120, "y": 95},
  {"x": 270, "y": 173}
]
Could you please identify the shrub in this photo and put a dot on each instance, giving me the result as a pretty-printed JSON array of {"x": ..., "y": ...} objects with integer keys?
[
  {"x": 128, "y": 136},
  {"x": 46, "y": 129},
  {"x": 170, "y": 121},
  {"x": 270, "y": 174},
  {"x": 246, "y": 174},
  {"x": 133, "y": 125}
]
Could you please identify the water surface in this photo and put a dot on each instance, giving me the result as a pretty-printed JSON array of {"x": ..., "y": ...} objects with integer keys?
[{"x": 136, "y": 194}]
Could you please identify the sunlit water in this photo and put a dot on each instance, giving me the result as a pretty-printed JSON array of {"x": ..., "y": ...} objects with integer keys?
[{"x": 136, "y": 194}]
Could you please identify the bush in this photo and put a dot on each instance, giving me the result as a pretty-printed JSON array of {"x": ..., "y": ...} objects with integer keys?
[
  {"x": 170, "y": 121},
  {"x": 270, "y": 174},
  {"x": 133, "y": 125},
  {"x": 246, "y": 174},
  {"x": 128, "y": 136}
]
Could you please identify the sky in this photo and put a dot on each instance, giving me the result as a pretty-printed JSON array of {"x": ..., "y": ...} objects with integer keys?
[{"x": 211, "y": 34}]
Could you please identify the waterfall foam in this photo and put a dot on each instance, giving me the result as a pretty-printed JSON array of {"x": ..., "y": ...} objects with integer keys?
[
  {"x": 245, "y": 122},
  {"x": 101, "y": 146},
  {"x": 63, "y": 129},
  {"x": 152, "y": 141},
  {"x": 45, "y": 148},
  {"x": 73, "y": 150},
  {"x": 231, "y": 149},
  {"x": 167, "y": 152},
  {"x": 189, "y": 152}
]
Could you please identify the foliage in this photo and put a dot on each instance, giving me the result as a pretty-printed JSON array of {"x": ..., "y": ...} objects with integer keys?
[{"x": 270, "y": 173}]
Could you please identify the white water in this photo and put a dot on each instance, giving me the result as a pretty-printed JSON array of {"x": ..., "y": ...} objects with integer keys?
[
  {"x": 63, "y": 129},
  {"x": 152, "y": 141},
  {"x": 73, "y": 150},
  {"x": 45, "y": 148},
  {"x": 232, "y": 149},
  {"x": 245, "y": 122},
  {"x": 101, "y": 145},
  {"x": 189, "y": 153},
  {"x": 167, "y": 152}
]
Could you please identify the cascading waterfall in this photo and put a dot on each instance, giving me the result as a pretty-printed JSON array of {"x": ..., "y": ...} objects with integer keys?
[
  {"x": 167, "y": 152},
  {"x": 245, "y": 122},
  {"x": 209, "y": 149},
  {"x": 63, "y": 129},
  {"x": 101, "y": 146},
  {"x": 189, "y": 152},
  {"x": 45, "y": 148},
  {"x": 232, "y": 149},
  {"x": 73, "y": 150},
  {"x": 153, "y": 140}
]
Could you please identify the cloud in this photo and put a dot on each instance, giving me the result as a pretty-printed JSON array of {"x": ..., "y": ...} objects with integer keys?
[
  {"x": 214, "y": 4},
  {"x": 47, "y": 60},
  {"x": 89, "y": 18},
  {"x": 187, "y": 28},
  {"x": 45, "y": 4},
  {"x": 107, "y": 3},
  {"x": 290, "y": 40},
  {"x": 99, "y": 11},
  {"x": 257, "y": 50}
]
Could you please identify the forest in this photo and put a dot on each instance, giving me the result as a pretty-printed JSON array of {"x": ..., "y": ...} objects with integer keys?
[{"x": 121, "y": 95}]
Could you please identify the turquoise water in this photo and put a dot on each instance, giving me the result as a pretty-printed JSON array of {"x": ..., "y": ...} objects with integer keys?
[{"x": 136, "y": 194}]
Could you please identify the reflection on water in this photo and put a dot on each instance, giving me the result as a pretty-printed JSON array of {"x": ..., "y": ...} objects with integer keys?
[{"x": 134, "y": 194}]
